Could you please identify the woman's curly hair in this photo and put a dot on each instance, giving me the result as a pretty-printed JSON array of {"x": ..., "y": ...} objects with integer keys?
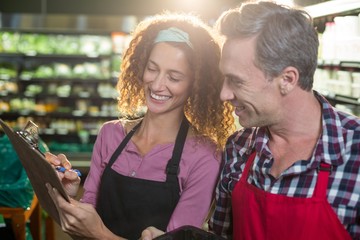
[{"x": 208, "y": 115}]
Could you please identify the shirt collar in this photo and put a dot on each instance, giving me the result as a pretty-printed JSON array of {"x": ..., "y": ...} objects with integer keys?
[{"x": 330, "y": 143}]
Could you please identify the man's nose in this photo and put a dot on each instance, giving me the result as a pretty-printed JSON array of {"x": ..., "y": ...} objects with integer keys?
[{"x": 226, "y": 93}]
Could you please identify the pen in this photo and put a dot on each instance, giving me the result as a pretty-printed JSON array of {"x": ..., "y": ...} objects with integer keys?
[
  {"x": 58, "y": 168},
  {"x": 62, "y": 169}
]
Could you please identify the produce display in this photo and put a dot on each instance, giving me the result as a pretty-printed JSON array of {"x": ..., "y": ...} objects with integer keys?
[
  {"x": 34, "y": 43},
  {"x": 63, "y": 82}
]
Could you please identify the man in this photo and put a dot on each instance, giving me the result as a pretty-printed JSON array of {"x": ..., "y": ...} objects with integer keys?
[{"x": 292, "y": 172}]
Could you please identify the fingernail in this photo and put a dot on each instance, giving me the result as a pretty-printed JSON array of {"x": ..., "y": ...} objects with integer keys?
[{"x": 67, "y": 165}]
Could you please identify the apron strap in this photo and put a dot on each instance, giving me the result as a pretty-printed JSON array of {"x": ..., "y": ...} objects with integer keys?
[
  {"x": 248, "y": 165},
  {"x": 172, "y": 168},
  {"x": 123, "y": 144},
  {"x": 324, "y": 171}
]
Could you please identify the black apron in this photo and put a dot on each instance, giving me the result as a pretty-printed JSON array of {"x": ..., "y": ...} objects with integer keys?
[{"x": 128, "y": 205}]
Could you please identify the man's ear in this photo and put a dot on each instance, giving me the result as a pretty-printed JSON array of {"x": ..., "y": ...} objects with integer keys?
[{"x": 288, "y": 79}]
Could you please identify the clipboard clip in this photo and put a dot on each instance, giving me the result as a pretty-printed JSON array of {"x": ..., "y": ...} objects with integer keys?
[{"x": 30, "y": 134}]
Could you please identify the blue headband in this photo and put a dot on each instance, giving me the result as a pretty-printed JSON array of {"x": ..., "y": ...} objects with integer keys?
[{"x": 173, "y": 35}]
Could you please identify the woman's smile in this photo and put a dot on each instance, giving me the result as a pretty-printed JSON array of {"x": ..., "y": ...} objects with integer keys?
[{"x": 159, "y": 97}]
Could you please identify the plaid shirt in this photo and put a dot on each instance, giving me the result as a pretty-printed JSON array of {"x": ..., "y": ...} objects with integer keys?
[{"x": 339, "y": 146}]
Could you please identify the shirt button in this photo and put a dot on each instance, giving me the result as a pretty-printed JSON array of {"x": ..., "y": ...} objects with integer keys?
[{"x": 133, "y": 173}]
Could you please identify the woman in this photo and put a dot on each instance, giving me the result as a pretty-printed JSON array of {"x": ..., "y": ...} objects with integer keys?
[{"x": 159, "y": 170}]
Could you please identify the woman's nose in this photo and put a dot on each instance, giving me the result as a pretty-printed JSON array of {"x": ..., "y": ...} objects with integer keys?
[{"x": 159, "y": 82}]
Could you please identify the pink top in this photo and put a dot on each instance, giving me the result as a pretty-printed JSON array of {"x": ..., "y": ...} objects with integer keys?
[{"x": 199, "y": 170}]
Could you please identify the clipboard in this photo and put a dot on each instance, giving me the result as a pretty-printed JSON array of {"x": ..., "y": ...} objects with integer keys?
[{"x": 38, "y": 170}]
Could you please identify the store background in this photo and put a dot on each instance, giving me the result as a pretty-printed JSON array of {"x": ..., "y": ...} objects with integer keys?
[{"x": 59, "y": 61}]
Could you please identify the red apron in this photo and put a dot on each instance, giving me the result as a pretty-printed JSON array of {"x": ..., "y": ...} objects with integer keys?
[{"x": 261, "y": 215}]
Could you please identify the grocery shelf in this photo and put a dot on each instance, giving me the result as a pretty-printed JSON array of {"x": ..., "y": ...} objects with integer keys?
[
  {"x": 342, "y": 99},
  {"x": 334, "y": 7}
]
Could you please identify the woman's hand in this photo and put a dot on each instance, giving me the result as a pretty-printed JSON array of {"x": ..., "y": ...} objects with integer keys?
[
  {"x": 79, "y": 219},
  {"x": 150, "y": 233},
  {"x": 69, "y": 179}
]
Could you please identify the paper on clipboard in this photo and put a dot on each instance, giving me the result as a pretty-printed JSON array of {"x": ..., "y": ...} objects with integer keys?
[{"x": 39, "y": 171}]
